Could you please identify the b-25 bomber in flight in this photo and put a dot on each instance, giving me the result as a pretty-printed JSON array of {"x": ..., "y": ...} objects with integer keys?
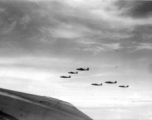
[
  {"x": 73, "y": 72},
  {"x": 95, "y": 84},
  {"x": 123, "y": 86},
  {"x": 111, "y": 82},
  {"x": 65, "y": 76},
  {"x": 83, "y": 69}
]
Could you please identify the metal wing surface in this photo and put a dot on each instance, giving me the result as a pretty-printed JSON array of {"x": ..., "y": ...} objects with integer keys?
[{"x": 22, "y": 106}]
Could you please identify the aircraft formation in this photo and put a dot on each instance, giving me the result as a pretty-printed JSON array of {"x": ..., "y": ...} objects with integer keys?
[
  {"x": 80, "y": 69},
  {"x": 94, "y": 84},
  {"x": 110, "y": 82}
]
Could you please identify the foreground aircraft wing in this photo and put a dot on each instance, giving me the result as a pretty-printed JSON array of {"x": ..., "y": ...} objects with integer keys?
[{"x": 22, "y": 106}]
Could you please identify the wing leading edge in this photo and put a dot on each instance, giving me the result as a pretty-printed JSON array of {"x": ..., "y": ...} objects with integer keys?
[{"x": 23, "y": 106}]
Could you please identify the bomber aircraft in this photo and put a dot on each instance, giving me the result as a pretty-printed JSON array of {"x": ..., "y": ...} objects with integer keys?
[
  {"x": 22, "y": 106},
  {"x": 83, "y": 69},
  {"x": 111, "y": 82},
  {"x": 73, "y": 72},
  {"x": 65, "y": 76},
  {"x": 95, "y": 84},
  {"x": 124, "y": 86}
]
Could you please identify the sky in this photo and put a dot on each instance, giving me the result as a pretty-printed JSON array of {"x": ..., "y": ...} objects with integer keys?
[{"x": 41, "y": 40}]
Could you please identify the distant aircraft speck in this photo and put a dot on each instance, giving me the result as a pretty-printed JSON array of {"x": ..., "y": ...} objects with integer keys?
[
  {"x": 124, "y": 86},
  {"x": 83, "y": 69},
  {"x": 65, "y": 76},
  {"x": 73, "y": 72},
  {"x": 111, "y": 82},
  {"x": 95, "y": 84}
]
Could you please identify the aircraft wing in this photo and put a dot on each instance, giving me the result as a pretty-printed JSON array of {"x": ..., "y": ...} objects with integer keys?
[{"x": 22, "y": 106}]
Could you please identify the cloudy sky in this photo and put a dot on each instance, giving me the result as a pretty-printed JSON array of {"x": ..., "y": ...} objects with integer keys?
[{"x": 42, "y": 40}]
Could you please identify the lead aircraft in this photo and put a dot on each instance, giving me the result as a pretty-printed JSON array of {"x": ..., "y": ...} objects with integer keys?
[{"x": 22, "y": 106}]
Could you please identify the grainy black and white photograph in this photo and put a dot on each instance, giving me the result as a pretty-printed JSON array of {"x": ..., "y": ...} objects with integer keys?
[{"x": 75, "y": 60}]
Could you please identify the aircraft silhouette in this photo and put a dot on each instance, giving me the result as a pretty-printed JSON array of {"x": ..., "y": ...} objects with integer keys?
[
  {"x": 95, "y": 84},
  {"x": 124, "y": 86},
  {"x": 23, "y": 106},
  {"x": 73, "y": 72},
  {"x": 83, "y": 69},
  {"x": 65, "y": 76},
  {"x": 111, "y": 82}
]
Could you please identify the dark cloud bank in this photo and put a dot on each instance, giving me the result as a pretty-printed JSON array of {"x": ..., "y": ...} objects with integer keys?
[
  {"x": 135, "y": 8},
  {"x": 142, "y": 9}
]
